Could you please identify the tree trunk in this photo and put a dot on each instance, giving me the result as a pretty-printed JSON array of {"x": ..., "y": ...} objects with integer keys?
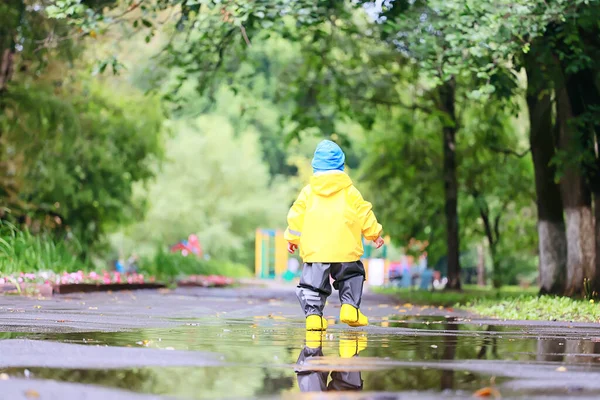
[
  {"x": 552, "y": 241},
  {"x": 447, "y": 93},
  {"x": 11, "y": 12},
  {"x": 577, "y": 200},
  {"x": 584, "y": 99},
  {"x": 480, "y": 265}
]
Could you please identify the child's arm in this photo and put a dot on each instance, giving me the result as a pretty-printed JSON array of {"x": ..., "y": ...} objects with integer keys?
[
  {"x": 295, "y": 220},
  {"x": 371, "y": 229}
]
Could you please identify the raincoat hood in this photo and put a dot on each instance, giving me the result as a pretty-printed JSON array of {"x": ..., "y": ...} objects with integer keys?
[
  {"x": 328, "y": 183},
  {"x": 328, "y": 157}
]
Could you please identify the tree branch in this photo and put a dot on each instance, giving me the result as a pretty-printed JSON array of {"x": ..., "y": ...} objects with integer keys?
[
  {"x": 245, "y": 35},
  {"x": 509, "y": 152},
  {"x": 398, "y": 103}
]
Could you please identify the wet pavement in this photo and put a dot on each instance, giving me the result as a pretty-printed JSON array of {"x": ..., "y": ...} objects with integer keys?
[{"x": 249, "y": 342}]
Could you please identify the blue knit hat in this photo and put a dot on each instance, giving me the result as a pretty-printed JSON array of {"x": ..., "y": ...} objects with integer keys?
[{"x": 328, "y": 157}]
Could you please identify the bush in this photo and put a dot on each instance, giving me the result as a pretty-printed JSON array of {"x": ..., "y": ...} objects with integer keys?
[{"x": 169, "y": 266}]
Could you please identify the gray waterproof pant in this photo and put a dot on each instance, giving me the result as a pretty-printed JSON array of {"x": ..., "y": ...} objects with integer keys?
[
  {"x": 316, "y": 381},
  {"x": 314, "y": 287}
]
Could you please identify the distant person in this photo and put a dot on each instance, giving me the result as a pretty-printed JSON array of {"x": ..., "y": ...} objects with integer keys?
[
  {"x": 132, "y": 264},
  {"x": 326, "y": 222}
]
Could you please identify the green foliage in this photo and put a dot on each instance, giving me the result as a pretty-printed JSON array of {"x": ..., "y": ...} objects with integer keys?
[
  {"x": 20, "y": 251},
  {"x": 79, "y": 156},
  {"x": 214, "y": 184},
  {"x": 543, "y": 308},
  {"x": 292, "y": 69},
  {"x": 466, "y": 297},
  {"x": 169, "y": 266}
]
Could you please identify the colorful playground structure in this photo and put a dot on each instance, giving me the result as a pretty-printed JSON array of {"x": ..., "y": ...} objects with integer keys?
[
  {"x": 187, "y": 247},
  {"x": 270, "y": 256}
]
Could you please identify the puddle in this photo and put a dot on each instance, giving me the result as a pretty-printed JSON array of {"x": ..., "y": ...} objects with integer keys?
[{"x": 419, "y": 356}]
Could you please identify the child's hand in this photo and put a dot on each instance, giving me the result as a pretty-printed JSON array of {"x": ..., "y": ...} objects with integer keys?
[
  {"x": 292, "y": 248},
  {"x": 379, "y": 242}
]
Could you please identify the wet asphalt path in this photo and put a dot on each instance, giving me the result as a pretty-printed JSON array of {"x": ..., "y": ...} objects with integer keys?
[{"x": 249, "y": 342}]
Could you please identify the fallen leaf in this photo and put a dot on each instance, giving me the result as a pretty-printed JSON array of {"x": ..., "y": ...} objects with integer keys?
[
  {"x": 32, "y": 394},
  {"x": 434, "y": 346},
  {"x": 561, "y": 369},
  {"x": 38, "y": 307},
  {"x": 487, "y": 392},
  {"x": 402, "y": 310}
]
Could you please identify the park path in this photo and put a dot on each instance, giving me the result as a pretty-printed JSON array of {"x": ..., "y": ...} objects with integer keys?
[{"x": 249, "y": 342}]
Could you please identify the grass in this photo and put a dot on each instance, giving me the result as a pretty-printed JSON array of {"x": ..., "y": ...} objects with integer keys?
[
  {"x": 21, "y": 251},
  {"x": 469, "y": 294},
  {"x": 509, "y": 302},
  {"x": 538, "y": 308}
]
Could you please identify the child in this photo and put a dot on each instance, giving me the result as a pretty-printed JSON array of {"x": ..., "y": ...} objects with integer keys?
[{"x": 326, "y": 222}]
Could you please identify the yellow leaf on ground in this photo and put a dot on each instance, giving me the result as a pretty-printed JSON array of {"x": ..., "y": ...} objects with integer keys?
[
  {"x": 32, "y": 394},
  {"x": 561, "y": 369}
]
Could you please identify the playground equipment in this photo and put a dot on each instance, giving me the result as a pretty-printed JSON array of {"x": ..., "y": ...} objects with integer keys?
[
  {"x": 270, "y": 256},
  {"x": 189, "y": 246}
]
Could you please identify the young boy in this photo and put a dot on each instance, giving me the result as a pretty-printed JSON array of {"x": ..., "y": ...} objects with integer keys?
[{"x": 327, "y": 222}]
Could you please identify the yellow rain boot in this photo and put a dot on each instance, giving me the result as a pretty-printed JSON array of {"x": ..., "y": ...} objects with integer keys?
[
  {"x": 351, "y": 347},
  {"x": 314, "y": 339},
  {"x": 316, "y": 323},
  {"x": 352, "y": 316}
]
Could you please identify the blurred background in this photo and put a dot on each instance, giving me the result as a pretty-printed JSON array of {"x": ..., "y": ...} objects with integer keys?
[{"x": 162, "y": 136}]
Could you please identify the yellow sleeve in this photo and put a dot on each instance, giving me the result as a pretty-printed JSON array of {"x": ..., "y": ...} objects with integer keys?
[
  {"x": 371, "y": 229},
  {"x": 295, "y": 219}
]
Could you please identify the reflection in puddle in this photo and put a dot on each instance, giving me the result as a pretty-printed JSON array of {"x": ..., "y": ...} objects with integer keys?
[
  {"x": 274, "y": 358},
  {"x": 310, "y": 380}
]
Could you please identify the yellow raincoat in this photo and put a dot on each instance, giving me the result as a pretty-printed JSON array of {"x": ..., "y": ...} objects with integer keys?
[{"x": 328, "y": 219}]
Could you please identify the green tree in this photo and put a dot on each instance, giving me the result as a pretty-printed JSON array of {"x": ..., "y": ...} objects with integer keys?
[
  {"x": 214, "y": 184},
  {"x": 79, "y": 154}
]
